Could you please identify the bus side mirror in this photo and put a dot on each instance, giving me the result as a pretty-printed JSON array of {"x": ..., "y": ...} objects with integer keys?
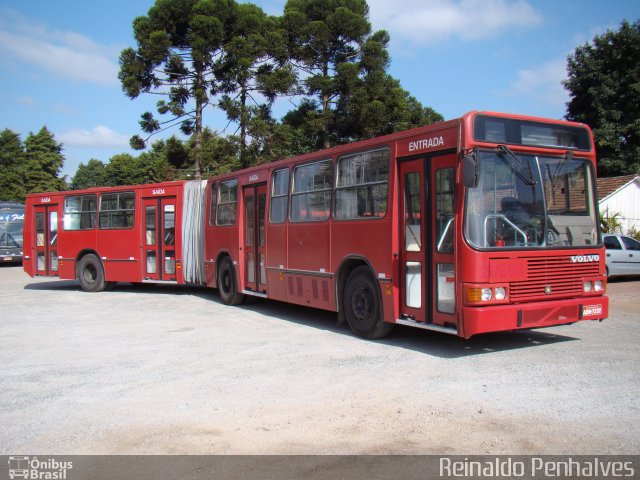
[{"x": 470, "y": 171}]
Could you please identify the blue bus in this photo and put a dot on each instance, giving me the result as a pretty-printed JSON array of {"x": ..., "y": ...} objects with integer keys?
[{"x": 11, "y": 222}]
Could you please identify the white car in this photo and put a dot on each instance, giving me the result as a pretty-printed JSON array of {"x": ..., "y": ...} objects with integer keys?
[{"x": 623, "y": 255}]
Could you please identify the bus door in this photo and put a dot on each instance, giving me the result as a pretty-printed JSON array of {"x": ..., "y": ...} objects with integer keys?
[
  {"x": 255, "y": 275},
  {"x": 442, "y": 235},
  {"x": 160, "y": 239},
  {"x": 46, "y": 241},
  {"x": 427, "y": 240},
  {"x": 413, "y": 257}
]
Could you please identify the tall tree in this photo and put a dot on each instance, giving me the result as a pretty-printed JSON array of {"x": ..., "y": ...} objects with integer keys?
[
  {"x": 178, "y": 43},
  {"x": 324, "y": 37},
  {"x": 11, "y": 166},
  {"x": 219, "y": 154},
  {"x": 604, "y": 88},
  {"x": 125, "y": 169},
  {"x": 43, "y": 162},
  {"x": 92, "y": 174},
  {"x": 373, "y": 103},
  {"x": 253, "y": 71}
]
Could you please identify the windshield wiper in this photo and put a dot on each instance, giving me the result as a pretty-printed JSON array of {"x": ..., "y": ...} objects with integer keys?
[
  {"x": 518, "y": 167},
  {"x": 566, "y": 158}
]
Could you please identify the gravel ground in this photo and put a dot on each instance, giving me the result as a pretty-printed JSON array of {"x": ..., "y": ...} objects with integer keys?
[{"x": 155, "y": 369}]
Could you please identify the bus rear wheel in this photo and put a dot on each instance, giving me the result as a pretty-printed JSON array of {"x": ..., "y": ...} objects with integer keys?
[
  {"x": 361, "y": 302},
  {"x": 227, "y": 285},
  {"x": 91, "y": 274}
]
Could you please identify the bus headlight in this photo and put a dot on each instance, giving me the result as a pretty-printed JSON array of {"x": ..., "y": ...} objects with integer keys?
[
  {"x": 598, "y": 286},
  {"x": 480, "y": 294},
  {"x": 588, "y": 286}
]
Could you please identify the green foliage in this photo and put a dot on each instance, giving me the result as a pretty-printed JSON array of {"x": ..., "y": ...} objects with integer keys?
[
  {"x": 219, "y": 154},
  {"x": 634, "y": 233},
  {"x": 350, "y": 95},
  {"x": 610, "y": 223},
  {"x": 11, "y": 167},
  {"x": 178, "y": 43},
  {"x": 255, "y": 61},
  {"x": 326, "y": 38},
  {"x": 43, "y": 161},
  {"x": 233, "y": 56},
  {"x": 92, "y": 174},
  {"x": 125, "y": 169},
  {"x": 604, "y": 86}
]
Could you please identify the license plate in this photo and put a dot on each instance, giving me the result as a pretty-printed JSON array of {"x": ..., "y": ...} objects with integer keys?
[
  {"x": 591, "y": 310},
  {"x": 7, "y": 259}
]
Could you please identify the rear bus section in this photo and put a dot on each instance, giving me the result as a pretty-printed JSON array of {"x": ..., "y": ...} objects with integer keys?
[{"x": 120, "y": 234}]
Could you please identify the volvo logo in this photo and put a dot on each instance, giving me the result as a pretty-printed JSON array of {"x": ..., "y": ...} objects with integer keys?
[
  {"x": 547, "y": 289},
  {"x": 585, "y": 258}
]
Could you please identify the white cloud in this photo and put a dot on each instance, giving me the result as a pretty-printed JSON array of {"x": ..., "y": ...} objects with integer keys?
[
  {"x": 428, "y": 22},
  {"x": 542, "y": 83},
  {"x": 98, "y": 137},
  {"x": 26, "y": 101},
  {"x": 67, "y": 54}
]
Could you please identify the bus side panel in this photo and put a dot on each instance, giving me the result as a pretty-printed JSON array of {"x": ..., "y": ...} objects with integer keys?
[
  {"x": 219, "y": 240},
  {"x": 120, "y": 252},
  {"x": 276, "y": 261},
  {"x": 308, "y": 246},
  {"x": 71, "y": 244},
  {"x": 371, "y": 241}
]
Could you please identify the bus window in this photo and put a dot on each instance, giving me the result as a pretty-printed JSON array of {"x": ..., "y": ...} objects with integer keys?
[
  {"x": 212, "y": 208},
  {"x": 79, "y": 212},
  {"x": 444, "y": 209},
  {"x": 362, "y": 185},
  {"x": 311, "y": 195},
  {"x": 117, "y": 210},
  {"x": 279, "y": 196},
  {"x": 227, "y": 199}
]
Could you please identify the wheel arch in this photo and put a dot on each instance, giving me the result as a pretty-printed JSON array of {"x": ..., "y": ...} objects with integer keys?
[
  {"x": 84, "y": 253},
  {"x": 221, "y": 255},
  {"x": 348, "y": 265}
]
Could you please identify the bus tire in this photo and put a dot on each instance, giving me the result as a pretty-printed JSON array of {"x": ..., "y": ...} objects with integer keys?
[
  {"x": 361, "y": 302},
  {"x": 227, "y": 284},
  {"x": 91, "y": 274}
]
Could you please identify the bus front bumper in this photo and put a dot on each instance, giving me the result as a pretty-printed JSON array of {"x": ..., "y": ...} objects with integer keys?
[{"x": 535, "y": 315}]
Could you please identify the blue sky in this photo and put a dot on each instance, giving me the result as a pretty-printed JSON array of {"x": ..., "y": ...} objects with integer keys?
[{"x": 60, "y": 61}]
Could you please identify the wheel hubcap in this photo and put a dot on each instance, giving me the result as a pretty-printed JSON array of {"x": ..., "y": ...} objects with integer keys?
[
  {"x": 90, "y": 274},
  {"x": 361, "y": 303}
]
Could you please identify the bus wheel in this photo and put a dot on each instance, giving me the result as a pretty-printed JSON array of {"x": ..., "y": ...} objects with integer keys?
[
  {"x": 361, "y": 302},
  {"x": 91, "y": 274},
  {"x": 227, "y": 285}
]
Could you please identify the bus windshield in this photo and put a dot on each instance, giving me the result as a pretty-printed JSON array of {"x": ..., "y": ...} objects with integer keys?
[
  {"x": 531, "y": 201},
  {"x": 11, "y": 227}
]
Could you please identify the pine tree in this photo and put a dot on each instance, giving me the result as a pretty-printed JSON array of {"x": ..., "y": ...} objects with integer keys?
[
  {"x": 43, "y": 163},
  {"x": 11, "y": 165}
]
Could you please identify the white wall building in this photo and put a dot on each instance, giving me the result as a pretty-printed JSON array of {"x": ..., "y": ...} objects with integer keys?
[{"x": 621, "y": 195}]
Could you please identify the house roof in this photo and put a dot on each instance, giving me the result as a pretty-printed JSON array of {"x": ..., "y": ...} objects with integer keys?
[{"x": 609, "y": 185}]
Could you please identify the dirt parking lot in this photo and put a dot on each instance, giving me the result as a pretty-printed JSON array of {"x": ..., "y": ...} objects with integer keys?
[{"x": 155, "y": 369}]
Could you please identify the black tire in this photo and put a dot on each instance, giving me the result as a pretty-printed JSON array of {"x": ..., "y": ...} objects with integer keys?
[
  {"x": 227, "y": 284},
  {"x": 91, "y": 274},
  {"x": 361, "y": 302}
]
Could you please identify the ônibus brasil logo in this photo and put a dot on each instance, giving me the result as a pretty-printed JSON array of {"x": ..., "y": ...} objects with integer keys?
[
  {"x": 32, "y": 468},
  {"x": 585, "y": 258}
]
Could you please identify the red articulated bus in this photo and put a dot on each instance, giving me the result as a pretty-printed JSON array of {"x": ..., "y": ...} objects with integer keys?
[{"x": 484, "y": 223}]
